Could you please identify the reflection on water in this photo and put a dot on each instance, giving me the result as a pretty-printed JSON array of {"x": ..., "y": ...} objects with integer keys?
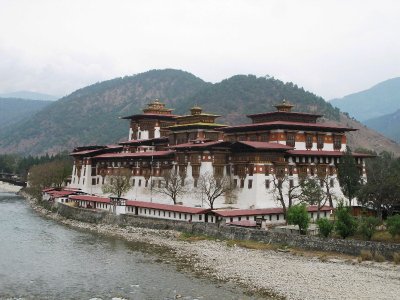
[{"x": 40, "y": 259}]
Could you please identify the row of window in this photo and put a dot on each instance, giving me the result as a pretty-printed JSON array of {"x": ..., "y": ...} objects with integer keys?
[{"x": 163, "y": 213}]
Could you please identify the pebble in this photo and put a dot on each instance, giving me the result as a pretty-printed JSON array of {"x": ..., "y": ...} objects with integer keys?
[{"x": 287, "y": 275}]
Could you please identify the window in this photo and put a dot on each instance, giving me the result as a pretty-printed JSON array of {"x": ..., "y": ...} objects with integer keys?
[
  {"x": 247, "y": 218},
  {"x": 320, "y": 141},
  {"x": 250, "y": 183},
  {"x": 241, "y": 183},
  {"x": 146, "y": 183},
  {"x": 200, "y": 217},
  {"x": 235, "y": 183},
  {"x": 267, "y": 183},
  {"x": 133, "y": 182},
  {"x": 290, "y": 139},
  {"x": 309, "y": 141},
  {"x": 159, "y": 183},
  {"x": 180, "y": 216},
  {"x": 239, "y": 218},
  {"x": 140, "y": 182},
  {"x": 231, "y": 219},
  {"x": 93, "y": 181},
  {"x": 277, "y": 217},
  {"x": 337, "y": 142},
  {"x": 169, "y": 214},
  {"x": 291, "y": 183}
]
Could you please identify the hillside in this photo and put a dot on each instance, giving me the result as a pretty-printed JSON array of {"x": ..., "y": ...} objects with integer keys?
[
  {"x": 379, "y": 100},
  {"x": 29, "y": 95},
  {"x": 90, "y": 115},
  {"x": 388, "y": 125},
  {"x": 14, "y": 110}
]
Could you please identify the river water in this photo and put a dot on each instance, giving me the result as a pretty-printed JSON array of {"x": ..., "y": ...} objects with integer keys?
[{"x": 41, "y": 259}]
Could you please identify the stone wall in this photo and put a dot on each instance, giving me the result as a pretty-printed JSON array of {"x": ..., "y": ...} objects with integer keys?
[{"x": 352, "y": 247}]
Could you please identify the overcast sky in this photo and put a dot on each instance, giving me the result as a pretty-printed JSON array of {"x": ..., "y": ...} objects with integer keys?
[{"x": 331, "y": 48}]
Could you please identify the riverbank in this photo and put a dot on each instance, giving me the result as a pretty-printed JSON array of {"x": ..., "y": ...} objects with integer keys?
[
  {"x": 9, "y": 188},
  {"x": 275, "y": 274}
]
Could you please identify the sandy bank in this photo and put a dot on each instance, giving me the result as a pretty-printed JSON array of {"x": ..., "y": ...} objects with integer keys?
[
  {"x": 293, "y": 277},
  {"x": 9, "y": 188}
]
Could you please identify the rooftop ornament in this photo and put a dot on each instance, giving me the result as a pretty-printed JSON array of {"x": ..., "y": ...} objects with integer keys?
[{"x": 284, "y": 107}]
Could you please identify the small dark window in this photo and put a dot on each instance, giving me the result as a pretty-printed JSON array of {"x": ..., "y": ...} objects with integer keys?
[
  {"x": 140, "y": 182},
  {"x": 241, "y": 183},
  {"x": 332, "y": 182},
  {"x": 267, "y": 183},
  {"x": 200, "y": 217},
  {"x": 250, "y": 183},
  {"x": 277, "y": 217}
]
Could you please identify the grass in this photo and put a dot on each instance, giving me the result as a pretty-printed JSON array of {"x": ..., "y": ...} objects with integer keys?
[
  {"x": 379, "y": 257},
  {"x": 385, "y": 236},
  {"x": 190, "y": 237},
  {"x": 396, "y": 258},
  {"x": 366, "y": 255},
  {"x": 251, "y": 245}
]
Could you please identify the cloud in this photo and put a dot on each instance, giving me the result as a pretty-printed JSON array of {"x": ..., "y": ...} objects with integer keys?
[{"x": 330, "y": 47}]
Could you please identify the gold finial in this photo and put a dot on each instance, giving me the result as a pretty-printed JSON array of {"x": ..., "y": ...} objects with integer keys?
[{"x": 285, "y": 107}]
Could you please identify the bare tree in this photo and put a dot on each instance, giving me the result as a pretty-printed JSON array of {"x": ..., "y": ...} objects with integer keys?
[
  {"x": 285, "y": 191},
  {"x": 52, "y": 174},
  {"x": 172, "y": 185},
  {"x": 213, "y": 187},
  {"x": 118, "y": 185}
]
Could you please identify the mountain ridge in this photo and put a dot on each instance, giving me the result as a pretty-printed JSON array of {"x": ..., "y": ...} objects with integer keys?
[
  {"x": 90, "y": 114},
  {"x": 381, "y": 99}
]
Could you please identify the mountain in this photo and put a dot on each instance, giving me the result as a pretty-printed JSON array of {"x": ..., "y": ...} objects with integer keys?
[
  {"x": 29, "y": 95},
  {"x": 388, "y": 125},
  {"x": 14, "y": 110},
  {"x": 90, "y": 115},
  {"x": 381, "y": 99}
]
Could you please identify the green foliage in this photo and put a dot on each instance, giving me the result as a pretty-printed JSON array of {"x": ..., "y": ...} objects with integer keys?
[
  {"x": 80, "y": 116},
  {"x": 19, "y": 165},
  {"x": 393, "y": 225},
  {"x": 345, "y": 225},
  {"x": 367, "y": 227},
  {"x": 312, "y": 193},
  {"x": 298, "y": 215},
  {"x": 349, "y": 175},
  {"x": 325, "y": 227},
  {"x": 382, "y": 190}
]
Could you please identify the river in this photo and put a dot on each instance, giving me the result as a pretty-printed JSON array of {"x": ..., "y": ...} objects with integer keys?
[{"x": 41, "y": 259}]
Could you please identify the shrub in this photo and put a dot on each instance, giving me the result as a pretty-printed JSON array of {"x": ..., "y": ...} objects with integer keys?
[
  {"x": 345, "y": 225},
  {"x": 393, "y": 225},
  {"x": 325, "y": 227},
  {"x": 379, "y": 257},
  {"x": 298, "y": 215},
  {"x": 366, "y": 255},
  {"x": 367, "y": 227},
  {"x": 396, "y": 258}
]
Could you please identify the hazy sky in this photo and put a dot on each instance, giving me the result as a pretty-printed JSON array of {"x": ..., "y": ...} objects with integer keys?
[{"x": 331, "y": 48}]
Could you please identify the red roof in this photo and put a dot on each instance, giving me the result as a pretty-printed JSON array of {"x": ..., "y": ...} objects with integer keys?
[
  {"x": 61, "y": 193},
  {"x": 136, "y": 154},
  {"x": 146, "y": 115},
  {"x": 264, "y": 145},
  {"x": 280, "y": 124},
  {"x": 283, "y": 113},
  {"x": 314, "y": 208},
  {"x": 48, "y": 190},
  {"x": 160, "y": 139},
  {"x": 91, "y": 151},
  {"x": 168, "y": 207},
  {"x": 261, "y": 211},
  {"x": 198, "y": 145},
  {"x": 89, "y": 198}
]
